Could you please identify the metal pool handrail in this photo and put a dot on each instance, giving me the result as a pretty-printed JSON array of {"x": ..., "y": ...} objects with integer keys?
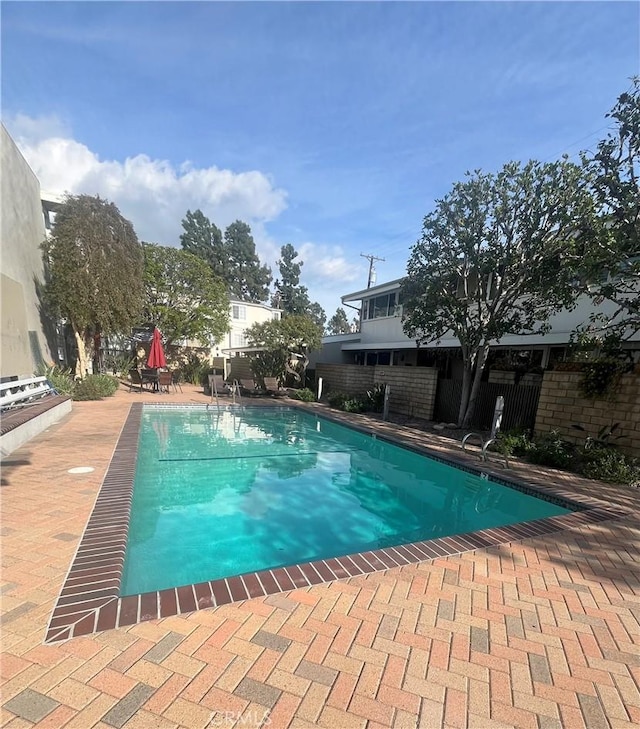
[{"x": 483, "y": 448}]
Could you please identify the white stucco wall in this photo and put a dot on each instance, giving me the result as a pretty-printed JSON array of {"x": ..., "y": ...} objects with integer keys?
[
  {"x": 254, "y": 314},
  {"x": 22, "y": 339}
]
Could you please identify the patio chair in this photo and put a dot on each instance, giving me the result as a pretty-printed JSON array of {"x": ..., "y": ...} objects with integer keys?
[
  {"x": 272, "y": 387},
  {"x": 217, "y": 384},
  {"x": 135, "y": 380},
  {"x": 165, "y": 380},
  {"x": 176, "y": 380},
  {"x": 248, "y": 387},
  {"x": 150, "y": 377}
]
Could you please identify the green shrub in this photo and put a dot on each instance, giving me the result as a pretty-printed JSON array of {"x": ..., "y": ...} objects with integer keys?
[
  {"x": 349, "y": 403},
  {"x": 60, "y": 378},
  {"x": 196, "y": 370},
  {"x": 109, "y": 383},
  {"x": 551, "y": 450},
  {"x": 337, "y": 399},
  {"x": 375, "y": 399},
  {"x": 513, "y": 443},
  {"x": 119, "y": 363},
  {"x": 354, "y": 405},
  {"x": 305, "y": 394},
  {"x": 608, "y": 464},
  {"x": 95, "y": 387},
  {"x": 604, "y": 438},
  {"x": 601, "y": 377}
]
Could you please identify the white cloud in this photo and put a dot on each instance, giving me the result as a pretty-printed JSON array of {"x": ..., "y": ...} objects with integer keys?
[
  {"x": 327, "y": 262},
  {"x": 328, "y": 275},
  {"x": 42, "y": 127},
  {"x": 154, "y": 194}
]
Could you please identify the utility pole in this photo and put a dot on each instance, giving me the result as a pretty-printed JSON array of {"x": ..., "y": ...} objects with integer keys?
[{"x": 372, "y": 271}]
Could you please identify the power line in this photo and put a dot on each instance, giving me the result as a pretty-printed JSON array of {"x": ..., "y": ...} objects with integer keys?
[{"x": 371, "y": 259}]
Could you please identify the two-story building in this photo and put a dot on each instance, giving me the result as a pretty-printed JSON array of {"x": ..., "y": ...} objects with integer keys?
[
  {"x": 381, "y": 339},
  {"x": 243, "y": 315}
]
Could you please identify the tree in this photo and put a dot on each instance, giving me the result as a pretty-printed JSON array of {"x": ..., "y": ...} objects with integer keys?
[
  {"x": 290, "y": 296},
  {"x": 283, "y": 340},
  {"x": 339, "y": 324},
  {"x": 93, "y": 262},
  {"x": 182, "y": 296},
  {"x": 615, "y": 172},
  {"x": 204, "y": 239},
  {"x": 497, "y": 256},
  {"x": 317, "y": 314},
  {"x": 247, "y": 279},
  {"x": 232, "y": 258}
]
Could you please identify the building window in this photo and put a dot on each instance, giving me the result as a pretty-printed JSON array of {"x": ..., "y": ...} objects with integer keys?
[
  {"x": 380, "y": 306},
  {"x": 239, "y": 340},
  {"x": 239, "y": 312}
]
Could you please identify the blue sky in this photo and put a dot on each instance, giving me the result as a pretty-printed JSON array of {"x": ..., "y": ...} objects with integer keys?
[{"x": 331, "y": 126}]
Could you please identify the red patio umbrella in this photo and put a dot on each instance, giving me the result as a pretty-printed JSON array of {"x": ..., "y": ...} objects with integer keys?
[{"x": 156, "y": 353}]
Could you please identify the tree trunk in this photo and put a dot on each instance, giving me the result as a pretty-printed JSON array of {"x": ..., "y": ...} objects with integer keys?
[
  {"x": 81, "y": 361},
  {"x": 97, "y": 357},
  {"x": 475, "y": 388},
  {"x": 467, "y": 376}
]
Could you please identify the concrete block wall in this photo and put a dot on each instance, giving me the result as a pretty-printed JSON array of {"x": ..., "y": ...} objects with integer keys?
[
  {"x": 413, "y": 389},
  {"x": 502, "y": 377},
  {"x": 561, "y": 405},
  {"x": 350, "y": 379}
]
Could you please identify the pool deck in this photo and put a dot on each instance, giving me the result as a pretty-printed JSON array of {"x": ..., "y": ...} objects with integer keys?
[{"x": 542, "y": 632}]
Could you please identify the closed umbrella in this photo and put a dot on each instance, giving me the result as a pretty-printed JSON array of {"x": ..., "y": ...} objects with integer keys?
[{"x": 156, "y": 353}]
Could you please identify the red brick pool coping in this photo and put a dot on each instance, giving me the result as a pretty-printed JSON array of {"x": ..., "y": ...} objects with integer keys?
[{"x": 89, "y": 601}]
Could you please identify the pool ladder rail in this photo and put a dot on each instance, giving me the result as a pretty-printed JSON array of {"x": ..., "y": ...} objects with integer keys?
[
  {"x": 483, "y": 455},
  {"x": 235, "y": 390}
]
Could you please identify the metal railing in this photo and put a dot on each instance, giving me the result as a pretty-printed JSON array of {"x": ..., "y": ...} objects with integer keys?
[
  {"x": 484, "y": 446},
  {"x": 235, "y": 390}
]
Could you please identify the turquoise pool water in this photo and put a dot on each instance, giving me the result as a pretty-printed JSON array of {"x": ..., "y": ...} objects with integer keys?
[{"x": 222, "y": 493}]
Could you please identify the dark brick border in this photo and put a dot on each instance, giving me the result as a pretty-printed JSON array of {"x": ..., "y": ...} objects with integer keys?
[{"x": 89, "y": 601}]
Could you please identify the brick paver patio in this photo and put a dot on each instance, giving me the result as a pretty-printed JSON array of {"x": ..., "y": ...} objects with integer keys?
[{"x": 538, "y": 633}]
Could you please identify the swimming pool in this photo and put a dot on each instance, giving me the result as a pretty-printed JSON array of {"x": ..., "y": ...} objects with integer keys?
[
  {"x": 90, "y": 599},
  {"x": 223, "y": 493}
]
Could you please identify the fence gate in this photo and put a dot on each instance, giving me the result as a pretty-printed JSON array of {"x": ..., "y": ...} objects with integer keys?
[{"x": 520, "y": 404}]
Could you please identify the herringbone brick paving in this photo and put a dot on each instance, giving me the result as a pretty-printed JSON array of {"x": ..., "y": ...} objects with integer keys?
[{"x": 541, "y": 633}]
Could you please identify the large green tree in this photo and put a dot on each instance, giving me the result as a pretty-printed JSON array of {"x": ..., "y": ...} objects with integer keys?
[
  {"x": 290, "y": 295},
  {"x": 286, "y": 343},
  {"x": 93, "y": 264},
  {"x": 317, "y": 314},
  {"x": 232, "y": 257},
  {"x": 613, "y": 262},
  {"x": 247, "y": 278},
  {"x": 182, "y": 296},
  {"x": 204, "y": 239},
  {"x": 498, "y": 255},
  {"x": 339, "y": 324}
]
